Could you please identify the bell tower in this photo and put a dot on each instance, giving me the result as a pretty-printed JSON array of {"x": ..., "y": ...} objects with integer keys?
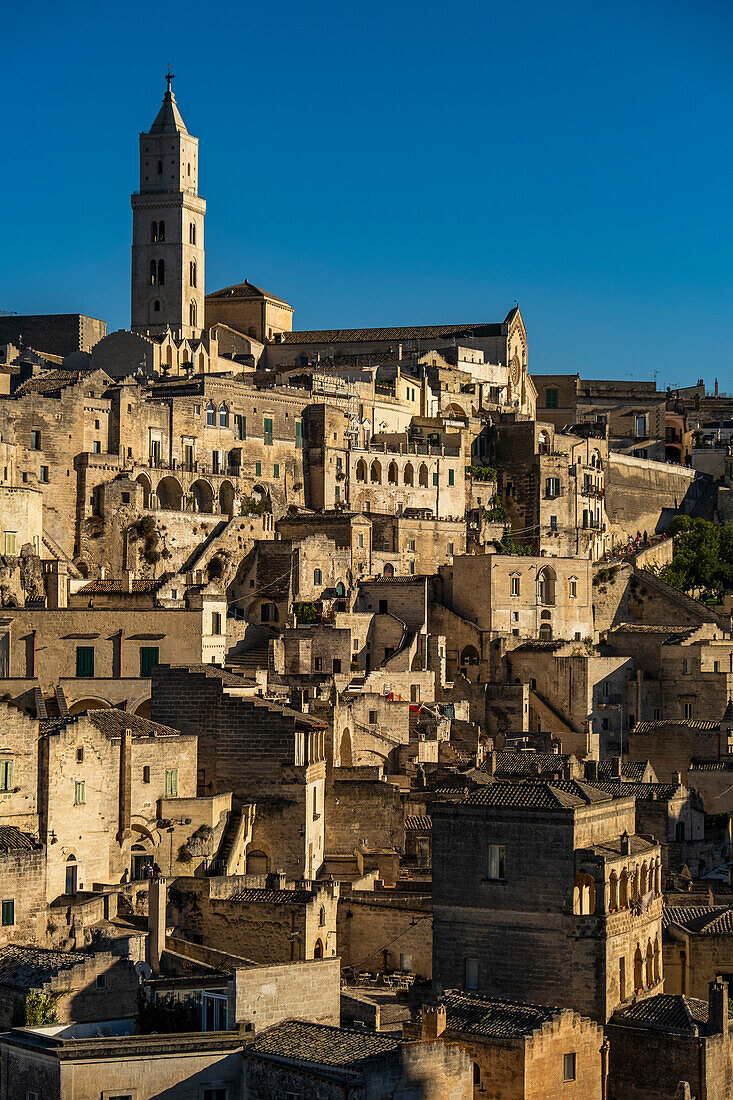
[{"x": 168, "y": 229}]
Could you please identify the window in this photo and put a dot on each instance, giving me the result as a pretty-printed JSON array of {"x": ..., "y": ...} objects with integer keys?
[
  {"x": 685, "y": 666},
  {"x": 192, "y": 233},
  {"x": 495, "y": 861},
  {"x": 192, "y": 314},
  {"x": 471, "y": 973},
  {"x": 515, "y": 616},
  {"x": 267, "y": 431},
  {"x": 372, "y": 717},
  {"x": 214, "y": 1013},
  {"x": 146, "y": 774},
  {"x": 411, "y": 545},
  {"x": 317, "y": 576},
  {"x": 406, "y": 963},
  {"x": 160, "y": 167},
  {"x": 298, "y": 434},
  {"x": 716, "y": 666},
  {"x": 216, "y": 622},
  {"x": 412, "y": 569},
  {"x": 449, "y": 548},
  {"x": 240, "y": 426},
  {"x": 276, "y": 470},
  {"x": 223, "y": 416},
  {"x": 515, "y": 586},
  {"x": 192, "y": 273},
  {"x": 125, "y": 498},
  {"x": 80, "y": 792},
  {"x": 11, "y": 542},
  {"x": 43, "y": 475},
  {"x": 6, "y": 775},
  {"x": 161, "y": 272},
  {"x": 222, "y": 1094},
  {"x": 552, "y": 487},
  {"x": 101, "y": 981},
  {"x": 687, "y": 710},
  {"x": 318, "y": 664},
  {"x": 657, "y": 715},
  {"x": 171, "y": 783},
  {"x": 679, "y": 830},
  {"x": 568, "y": 1067},
  {"x": 553, "y": 523},
  {"x": 85, "y": 661},
  {"x": 435, "y": 480},
  {"x": 360, "y": 542},
  {"x": 149, "y": 658},
  {"x": 451, "y": 477},
  {"x": 210, "y": 415},
  {"x": 35, "y": 441},
  {"x": 573, "y": 588},
  {"x": 96, "y": 447},
  {"x": 80, "y": 755},
  {"x": 622, "y": 979},
  {"x": 8, "y": 912},
  {"x": 337, "y": 664},
  {"x": 551, "y": 396},
  {"x": 640, "y": 427}
]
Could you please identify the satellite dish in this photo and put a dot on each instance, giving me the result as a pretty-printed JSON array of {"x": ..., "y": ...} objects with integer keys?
[{"x": 143, "y": 970}]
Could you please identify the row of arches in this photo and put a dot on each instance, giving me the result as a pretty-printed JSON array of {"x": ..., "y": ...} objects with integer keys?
[
  {"x": 647, "y": 971},
  {"x": 373, "y": 473},
  {"x": 169, "y": 495},
  {"x": 157, "y": 232},
  {"x": 211, "y": 415},
  {"x": 625, "y": 890}
]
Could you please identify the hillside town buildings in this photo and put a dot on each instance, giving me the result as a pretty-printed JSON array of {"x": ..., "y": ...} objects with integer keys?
[{"x": 352, "y": 741}]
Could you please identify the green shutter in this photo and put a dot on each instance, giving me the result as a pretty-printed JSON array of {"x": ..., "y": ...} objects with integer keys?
[
  {"x": 6, "y": 775},
  {"x": 451, "y": 477},
  {"x": 298, "y": 434},
  {"x": 85, "y": 661},
  {"x": 80, "y": 796},
  {"x": 171, "y": 783},
  {"x": 435, "y": 479},
  {"x": 149, "y": 658},
  {"x": 258, "y": 469},
  {"x": 268, "y": 430},
  {"x": 8, "y": 916}
]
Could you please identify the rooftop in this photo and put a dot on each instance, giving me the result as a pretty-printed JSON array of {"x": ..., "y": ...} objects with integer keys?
[
  {"x": 670, "y": 723},
  {"x": 13, "y": 840},
  {"x": 113, "y": 723},
  {"x": 30, "y": 967},
  {"x": 666, "y": 1012},
  {"x": 321, "y": 1045},
  {"x": 701, "y": 920},
  {"x": 549, "y": 795},
  {"x": 273, "y": 897},
  {"x": 472, "y": 1014},
  {"x": 245, "y": 290}
]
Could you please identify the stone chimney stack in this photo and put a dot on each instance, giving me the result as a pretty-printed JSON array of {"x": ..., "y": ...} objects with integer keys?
[
  {"x": 433, "y": 1021},
  {"x": 625, "y": 844},
  {"x": 125, "y": 786},
  {"x": 56, "y": 582},
  {"x": 128, "y": 577},
  {"x": 616, "y": 767},
  {"x": 157, "y": 897},
  {"x": 718, "y": 1007},
  {"x": 591, "y": 770},
  {"x": 490, "y": 766}
]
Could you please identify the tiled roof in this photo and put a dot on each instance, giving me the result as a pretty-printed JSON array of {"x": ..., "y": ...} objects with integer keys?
[
  {"x": 550, "y": 795},
  {"x": 711, "y": 765},
  {"x": 110, "y": 586},
  {"x": 245, "y": 290},
  {"x": 418, "y": 823},
  {"x": 321, "y": 1045},
  {"x": 472, "y": 1014},
  {"x": 52, "y": 381},
  {"x": 274, "y": 897},
  {"x": 703, "y": 920},
  {"x": 113, "y": 723},
  {"x": 13, "y": 840},
  {"x": 638, "y": 846},
  {"x": 30, "y": 967},
  {"x": 667, "y": 723},
  {"x": 643, "y": 792},
  {"x": 526, "y": 763},
  {"x": 539, "y": 646},
  {"x": 666, "y": 1012},
  {"x": 408, "y": 332},
  {"x": 630, "y": 769}
]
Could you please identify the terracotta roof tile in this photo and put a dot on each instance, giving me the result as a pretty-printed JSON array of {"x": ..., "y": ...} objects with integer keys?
[
  {"x": 321, "y": 1045},
  {"x": 666, "y": 1012},
  {"x": 472, "y": 1014}
]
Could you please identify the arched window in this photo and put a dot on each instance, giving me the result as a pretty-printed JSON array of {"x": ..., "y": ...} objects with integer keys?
[
  {"x": 469, "y": 656},
  {"x": 161, "y": 231},
  {"x": 153, "y": 232},
  {"x": 657, "y": 879},
  {"x": 423, "y": 477},
  {"x": 638, "y": 974},
  {"x": 584, "y": 895},
  {"x": 376, "y": 472},
  {"x": 192, "y": 273},
  {"x": 649, "y": 965},
  {"x": 392, "y": 473},
  {"x": 318, "y": 950},
  {"x": 476, "y": 1075},
  {"x": 340, "y": 589},
  {"x": 545, "y": 633},
  {"x": 317, "y": 576},
  {"x": 388, "y": 570},
  {"x": 657, "y": 975},
  {"x": 643, "y": 880},
  {"x": 613, "y": 891},
  {"x": 322, "y": 916},
  {"x": 408, "y": 475},
  {"x": 192, "y": 315},
  {"x": 223, "y": 416},
  {"x": 192, "y": 233},
  {"x": 210, "y": 414},
  {"x": 623, "y": 890},
  {"x": 161, "y": 272},
  {"x": 543, "y": 443},
  {"x": 546, "y": 586},
  {"x": 153, "y": 273},
  {"x": 361, "y": 470},
  {"x": 160, "y": 167},
  {"x": 146, "y": 774}
]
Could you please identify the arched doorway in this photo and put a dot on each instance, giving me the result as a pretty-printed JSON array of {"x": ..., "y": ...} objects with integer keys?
[
  {"x": 258, "y": 863},
  {"x": 469, "y": 656},
  {"x": 388, "y": 570},
  {"x": 226, "y": 498},
  {"x": 345, "y": 751},
  {"x": 318, "y": 949},
  {"x": 144, "y": 481},
  {"x": 71, "y": 877},
  {"x": 203, "y": 496},
  {"x": 546, "y": 586},
  {"x": 169, "y": 494}
]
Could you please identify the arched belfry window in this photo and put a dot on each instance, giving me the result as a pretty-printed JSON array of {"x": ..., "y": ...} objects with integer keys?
[
  {"x": 161, "y": 272},
  {"x": 153, "y": 232},
  {"x": 153, "y": 273},
  {"x": 192, "y": 233},
  {"x": 192, "y": 273},
  {"x": 161, "y": 231}
]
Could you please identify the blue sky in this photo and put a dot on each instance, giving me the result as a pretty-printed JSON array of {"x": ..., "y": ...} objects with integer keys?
[{"x": 397, "y": 164}]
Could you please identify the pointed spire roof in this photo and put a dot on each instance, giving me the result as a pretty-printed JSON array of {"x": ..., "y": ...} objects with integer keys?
[{"x": 168, "y": 119}]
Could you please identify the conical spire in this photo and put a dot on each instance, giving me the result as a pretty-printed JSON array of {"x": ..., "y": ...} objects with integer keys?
[{"x": 168, "y": 118}]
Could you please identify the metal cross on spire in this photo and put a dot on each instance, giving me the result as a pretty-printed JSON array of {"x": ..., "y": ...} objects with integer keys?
[{"x": 169, "y": 76}]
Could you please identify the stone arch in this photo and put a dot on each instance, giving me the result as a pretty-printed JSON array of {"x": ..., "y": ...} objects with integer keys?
[
  {"x": 89, "y": 703},
  {"x": 257, "y": 863},
  {"x": 259, "y": 494},
  {"x": 584, "y": 895},
  {"x": 318, "y": 949},
  {"x": 649, "y": 965},
  {"x": 203, "y": 496},
  {"x": 623, "y": 889},
  {"x": 543, "y": 443},
  {"x": 388, "y": 570},
  {"x": 340, "y": 589},
  {"x": 169, "y": 494},
  {"x": 643, "y": 879},
  {"x": 345, "y": 749},
  {"x": 546, "y": 581},
  {"x": 226, "y": 498},
  {"x": 144, "y": 481},
  {"x": 635, "y": 885},
  {"x": 408, "y": 474},
  {"x": 142, "y": 710},
  {"x": 613, "y": 891},
  {"x": 469, "y": 656},
  {"x": 392, "y": 473},
  {"x": 423, "y": 476},
  {"x": 376, "y": 472},
  {"x": 545, "y": 632},
  {"x": 361, "y": 470},
  {"x": 638, "y": 970}
]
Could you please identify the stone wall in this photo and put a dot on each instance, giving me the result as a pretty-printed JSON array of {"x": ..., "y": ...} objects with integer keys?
[
  {"x": 265, "y": 996},
  {"x": 386, "y": 933},
  {"x": 642, "y": 495}
]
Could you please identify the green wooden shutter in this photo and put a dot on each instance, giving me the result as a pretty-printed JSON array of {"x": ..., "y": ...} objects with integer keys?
[
  {"x": 149, "y": 658},
  {"x": 171, "y": 783},
  {"x": 85, "y": 661}
]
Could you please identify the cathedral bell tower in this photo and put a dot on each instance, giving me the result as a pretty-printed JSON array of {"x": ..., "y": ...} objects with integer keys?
[{"x": 168, "y": 229}]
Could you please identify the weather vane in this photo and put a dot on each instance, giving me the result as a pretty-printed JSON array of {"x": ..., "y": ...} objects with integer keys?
[{"x": 169, "y": 76}]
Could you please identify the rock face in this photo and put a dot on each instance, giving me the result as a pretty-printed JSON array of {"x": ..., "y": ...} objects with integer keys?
[{"x": 21, "y": 578}]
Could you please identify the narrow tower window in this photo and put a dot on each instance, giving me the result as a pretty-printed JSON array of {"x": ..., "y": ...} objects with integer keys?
[
  {"x": 192, "y": 315},
  {"x": 192, "y": 233},
  {"x": 153, "y": 271},
  {"x": 160, "y": 167},
  {"x": 161, "y": 272},
  {"x": 192, "y": 274},
  {"x": 154, "y": 232},
  {"x": 161, "y": 231}
]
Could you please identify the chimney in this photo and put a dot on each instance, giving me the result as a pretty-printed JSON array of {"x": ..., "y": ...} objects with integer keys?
[
  {"x": 433, "y": 1021},
  {"x": 718, "y": 1007},
  {"x": 157, "y": 896},
  {"x": 625, "y": 846},
  {"x": 56, "y": 582},
  {"x": 125, "y": 786},
  {"x": 591, "y": 770},
  {"x": 490, "y": 767},
  {"x": 127, "y": 579},
  {"x": 616, "y": 767},
  {"x": 678, "y": 778},
  {"x": 277, "y": 880}
]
